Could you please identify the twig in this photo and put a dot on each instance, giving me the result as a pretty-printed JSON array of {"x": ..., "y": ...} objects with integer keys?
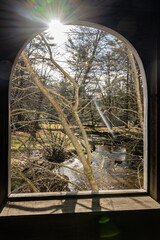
[{"x": 25, "y": 179}]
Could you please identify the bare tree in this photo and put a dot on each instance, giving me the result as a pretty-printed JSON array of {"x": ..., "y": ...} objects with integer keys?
[
  {"x": 86, "y": 161},
  {"x": 60, "y": 88},
  {"x": 137, "y": 86}
]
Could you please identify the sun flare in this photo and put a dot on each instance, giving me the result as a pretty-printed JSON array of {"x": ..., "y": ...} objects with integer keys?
[{"x": 57, "y": 30}]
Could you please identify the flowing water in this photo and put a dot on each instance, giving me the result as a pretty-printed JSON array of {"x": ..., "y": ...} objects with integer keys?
[{"x": 113, "y": 168}]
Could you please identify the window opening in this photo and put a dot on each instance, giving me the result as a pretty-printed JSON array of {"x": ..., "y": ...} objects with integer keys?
[{"x": 77, "y": 113}]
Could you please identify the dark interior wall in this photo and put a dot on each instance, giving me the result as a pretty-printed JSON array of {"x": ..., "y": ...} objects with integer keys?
[
  {"x": 128, "y": 225},
  {"x": 138, "y": 22}
]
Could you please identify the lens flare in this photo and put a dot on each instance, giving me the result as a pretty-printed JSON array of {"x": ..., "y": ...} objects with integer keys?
[
  {"x": 104, "y": 119},
  {"x": 55, "y": 26},
  {"x": 104, "y": 220},
  {"x": 57, "y": 30}
]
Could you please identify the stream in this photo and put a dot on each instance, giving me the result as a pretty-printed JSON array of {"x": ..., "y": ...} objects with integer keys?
[{"x": 113, "y": 168}]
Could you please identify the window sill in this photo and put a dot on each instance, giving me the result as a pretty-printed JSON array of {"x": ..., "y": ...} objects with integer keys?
[{"x": 79, "y": 205}]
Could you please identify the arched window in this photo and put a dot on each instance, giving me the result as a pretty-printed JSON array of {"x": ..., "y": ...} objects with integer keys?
[{"x": 78, "y": 107}]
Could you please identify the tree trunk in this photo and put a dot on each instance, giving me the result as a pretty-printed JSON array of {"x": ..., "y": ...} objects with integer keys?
[
  {"x": 87, "y": 167},
  {"x": 137, "y": 87}
]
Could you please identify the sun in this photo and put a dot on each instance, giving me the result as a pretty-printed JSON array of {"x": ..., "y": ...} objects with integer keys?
[{"x": 57, "y": 30}]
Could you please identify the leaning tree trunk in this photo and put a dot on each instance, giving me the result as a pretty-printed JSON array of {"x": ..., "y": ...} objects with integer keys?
[{"x": 87, "y": 166}]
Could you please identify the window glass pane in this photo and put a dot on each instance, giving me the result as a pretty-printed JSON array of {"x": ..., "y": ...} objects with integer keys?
[{"x": 76, "y": 113}]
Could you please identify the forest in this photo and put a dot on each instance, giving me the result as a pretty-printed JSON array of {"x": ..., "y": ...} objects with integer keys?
[{"x": 76, "y": 114}]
